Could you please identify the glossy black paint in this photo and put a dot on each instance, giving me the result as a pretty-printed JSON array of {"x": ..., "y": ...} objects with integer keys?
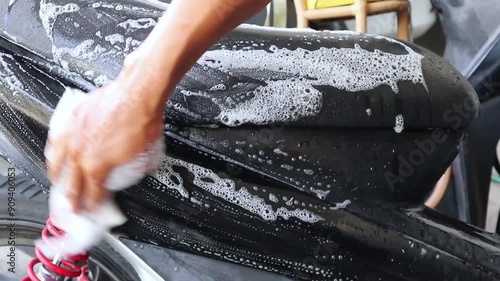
[{"x": 381, "y": 234}]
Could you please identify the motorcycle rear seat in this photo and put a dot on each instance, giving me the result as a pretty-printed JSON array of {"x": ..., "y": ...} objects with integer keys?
[{"x": 259, "y": 76}]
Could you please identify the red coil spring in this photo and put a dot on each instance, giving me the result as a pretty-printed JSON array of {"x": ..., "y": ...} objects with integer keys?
[{"x": 68, "y": 267}]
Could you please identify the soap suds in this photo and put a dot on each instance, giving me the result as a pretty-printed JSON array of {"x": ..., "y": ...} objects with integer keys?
[
  {"x": 321, "y": 194},
  {"x": 369, "y": 112},
  {"x": 218, "y": 87},
  {"x": 196, "y": 201},
  {"x": 101, "y": 80},
  {"x": 399, "y": 124},
  {"x": 278, "y": 101},
  {"x": 278, "y": 151},
  {"x": 84, "y": 51},
  {"x": 8, "y": 77},
  {"x": 348, "y": 69},
  {"x": 308, "y": 172},
  {"x": 49, "y": 13},
  {"x": 225, "y": 188},
  {"x": 89, "y": 49},
  {"x": 114, "y": 38},
  {"x": 273, "y": 198},
  {"x": 137, "y": 24}
]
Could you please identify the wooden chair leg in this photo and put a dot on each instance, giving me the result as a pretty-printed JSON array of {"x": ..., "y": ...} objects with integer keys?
[
  {"x": 300, "y": 8},
  {"x": 361, "y": 14},
  {"x": 404, "y": 23},
  {"x": 302, "y": 22}
]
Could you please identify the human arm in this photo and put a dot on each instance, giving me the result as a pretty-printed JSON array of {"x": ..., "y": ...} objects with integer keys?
[{"x": 121, "y": 119}]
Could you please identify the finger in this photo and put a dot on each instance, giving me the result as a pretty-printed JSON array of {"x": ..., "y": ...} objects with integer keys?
[
  {"x": 76, "y": 184},
  {"x": 95, "y": 190},
  {"x": 55, "y": 153}
]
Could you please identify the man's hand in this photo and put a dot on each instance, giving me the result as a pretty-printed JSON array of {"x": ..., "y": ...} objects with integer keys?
[
  {"x": 108, "y": 130},
  {"x": 120, "y": 120}
]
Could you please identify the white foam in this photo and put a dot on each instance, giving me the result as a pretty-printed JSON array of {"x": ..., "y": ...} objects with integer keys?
[
  {"x": 350, "y": 69},
  {"x": 49, "y": 12},
  {"x": 88, "y": 50},
  {"x": 218, "y": 87},
  {"x": 114, "y": 38},
  {"x": 308, "y": 172},
  {"x": 7, "y": 76},
  {"x": 225, "y": 188},
  {"x": 321, "y": 194},
  {"x": 278, "y": 151},
  {"x": 278, "y": 101},
  {"x": 196, "y": 201},
  {"x": 166, "y": 174},
  {"x": 399, "y": 124},
  {"x": 138, "y": 23},
  {"x": 273, "y": 198},
  {"x": 101, "y": 80},
  {"x": 342, "y": 205},
  {"x": 84, "y": 51}
]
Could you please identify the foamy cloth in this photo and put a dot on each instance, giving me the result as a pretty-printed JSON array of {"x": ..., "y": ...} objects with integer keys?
[{"x": 87, "y": 228}]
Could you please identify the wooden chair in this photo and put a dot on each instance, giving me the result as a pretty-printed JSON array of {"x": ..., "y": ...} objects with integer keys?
[{"x": 359, "y": 10}]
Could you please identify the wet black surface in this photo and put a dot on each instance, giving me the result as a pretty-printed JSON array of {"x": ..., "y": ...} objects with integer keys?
[{"x": 331, "y": 194}]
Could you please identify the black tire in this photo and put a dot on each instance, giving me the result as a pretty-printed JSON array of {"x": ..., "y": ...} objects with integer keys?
[{"x": 31, "y": 211}]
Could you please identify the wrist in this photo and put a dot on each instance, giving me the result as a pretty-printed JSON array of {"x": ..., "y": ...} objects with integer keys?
[{"x": 146, "y": 82}]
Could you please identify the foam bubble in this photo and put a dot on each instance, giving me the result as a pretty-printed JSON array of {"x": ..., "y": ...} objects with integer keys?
[
  {"x": 308, "y": 172},
  {"x": 85, "y": 51},
  {"x": 399, "y": 124},
  {"x": 115, "y": 38},
  {"x": 218, "y": 87},
  {"x": 196, "y": 201},
  {"x": 225, "y": 188},
  {"x": 341, "y": 205},
  {"x": 137, "y": 24},
  {"x": 273, "y": 198},
  {"x": 321, "y": 194},
  {"x": 278, "y": 151},
  {"x": 101, "y": 80}
]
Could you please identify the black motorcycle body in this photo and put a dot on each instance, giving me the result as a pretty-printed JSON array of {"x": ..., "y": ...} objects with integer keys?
[{"x": 303, "y": 155}]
